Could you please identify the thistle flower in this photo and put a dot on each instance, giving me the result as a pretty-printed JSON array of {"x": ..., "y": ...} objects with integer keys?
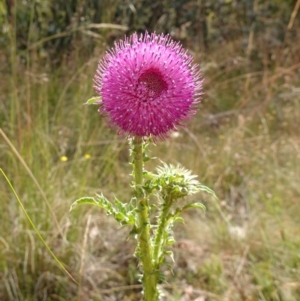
[{"x": 148, "y": 85}]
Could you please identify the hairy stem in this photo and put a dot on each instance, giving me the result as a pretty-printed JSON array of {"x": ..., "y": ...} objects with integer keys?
[{"x": 143, "y": 225}]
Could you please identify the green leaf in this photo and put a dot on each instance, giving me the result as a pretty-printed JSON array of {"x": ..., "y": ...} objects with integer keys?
[
  {"x": 120, "y": 206},
  {"x": 104, "y": 203},
  {"x": 170, "y": 240},
  {"x": 93, "y": 100},
  {"x": 194, "y": 205},
  {"x": 121, "y": 214},
  {"x": 178, "y": 219},
  {"x": 120, "y": 217},
  {"x": 84, "y": 200},
  {"x": 170, "y": 253},
  {"x": 133, "y": 231}
]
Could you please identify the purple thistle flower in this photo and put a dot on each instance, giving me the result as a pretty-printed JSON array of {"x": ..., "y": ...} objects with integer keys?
[{"x": 148, "y": 85}]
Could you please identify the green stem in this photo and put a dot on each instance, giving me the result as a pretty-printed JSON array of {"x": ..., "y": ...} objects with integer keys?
[
  {"x": 143, "y": 227},
  {"x": 158, "y": 241}
]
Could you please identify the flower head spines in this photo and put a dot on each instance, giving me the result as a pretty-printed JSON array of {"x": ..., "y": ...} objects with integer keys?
[{"x": 148, "y": 85}]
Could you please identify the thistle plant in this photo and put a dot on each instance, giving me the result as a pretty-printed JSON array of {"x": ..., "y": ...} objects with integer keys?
[{"x": 148, "y": 86}]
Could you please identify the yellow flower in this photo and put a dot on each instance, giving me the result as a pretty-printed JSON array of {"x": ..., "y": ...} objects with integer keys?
[
  {"x": 63, "y": 158},
  {"x": 87, "y": 156}
]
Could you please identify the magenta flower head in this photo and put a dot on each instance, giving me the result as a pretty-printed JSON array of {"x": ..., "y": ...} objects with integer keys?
[{"x": 148, "y": 85}]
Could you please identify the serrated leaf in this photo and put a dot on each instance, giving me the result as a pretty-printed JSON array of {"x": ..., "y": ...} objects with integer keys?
[
  {"x": 120, "y": 206},
  {"x": 120, "y": 217},
  {"x": 104, "y": 203},
  {"x": 84, "y": 200},
  {"x": 131, "y": 218},
  {"x": 93, "y": 100}
]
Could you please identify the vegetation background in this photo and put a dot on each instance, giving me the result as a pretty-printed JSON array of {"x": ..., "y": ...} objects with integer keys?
[{"x": 244, "y": 143}]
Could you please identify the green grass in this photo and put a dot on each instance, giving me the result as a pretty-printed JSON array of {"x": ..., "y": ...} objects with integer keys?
[{"x": 244, "y": 143}]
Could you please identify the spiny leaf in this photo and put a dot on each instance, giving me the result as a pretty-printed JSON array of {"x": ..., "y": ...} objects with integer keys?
[
  {"x": 84, "y": 200},
  {"x": 120, "y": 213},
  {"x": 120, "y": 206}
]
